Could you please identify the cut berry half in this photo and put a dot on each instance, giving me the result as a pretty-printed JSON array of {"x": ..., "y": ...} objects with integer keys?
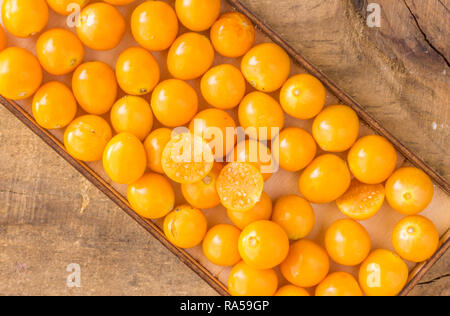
[
  {"x": 240, "y": 186},
  {"x": 361, "y": 201},
  {"x": 187, "y": 158}
]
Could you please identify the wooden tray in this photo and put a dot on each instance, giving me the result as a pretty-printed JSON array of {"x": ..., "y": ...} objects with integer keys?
[{"x": 282, "y": 183}]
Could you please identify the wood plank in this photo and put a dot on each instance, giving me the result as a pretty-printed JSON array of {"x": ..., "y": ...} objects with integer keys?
[{"x": 38, "y": 204}]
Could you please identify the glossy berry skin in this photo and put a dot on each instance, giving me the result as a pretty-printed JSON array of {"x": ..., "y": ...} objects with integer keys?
[
  {"x": 306, "y": 265},
  {"x": 326, "y": 179},
  {"x": 203, "y": 194},
  {"x": 185, "y": 227},
  {"x": 190, "y": 56},
  {"x": 223, "y": 86},
  {"x": 220, "y": 245},
  {"x": 247, "y": 281},
  {"x": 154, "y": 146},
  {"x": 297, "y": 149},
  {"x": 295, "y": 215},
  {"x": 154, "y": 25},
  {"x": 94, "y": 86},
  {"x": 415, "y": 238},
  {"x": 240, "y": 186},
  {"x": 260, "y": 111},
  {"x": 233, "y": 35},
  {"x": 20, "y": 73},
  {"x": 372, "y": 159},
  {"x": 137, "y": 71},
  {"x": 257, "y": 154},
  {"x": 132, "y": 114},
  {"x": 101, "y": 26},
  {"x": 261, "y": 211},
  {"x": 151, "y": 196},
  {"x": 263, "y": 245},
  {"x": 303, "y": 96},
  {"x": 24, "y": 18},
  {"x": 336, "y": 128},
  {"x": 409, "y": 191},
  {"x": 174, "y": 103},
  {"x": 3, "y": 39},
  {"x": 339, "y": 284},
  {"x": 212, "y": 125},
  {"x": 361, "y": 201},
  {"x": 86, "y": 138},
  {"x": 266, "y": 67},
  {"x": 124, "y": 159},
  {"x": 383, "y": 273},
  {"x": 291, "y": 290},
  {"x": 347, "y": 242},
  {"x": 198, "y": 15},
  {"x": 66, "y": 7},
  {"x": 54, "y": 106},
  {"x": 59, "y": 51}
]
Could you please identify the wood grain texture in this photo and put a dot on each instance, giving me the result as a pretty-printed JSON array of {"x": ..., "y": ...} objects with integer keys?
[
  {"x": 400, "y": 72},
  {"x": 51, "y": 216},
  {"x": 97, "y": 275}
]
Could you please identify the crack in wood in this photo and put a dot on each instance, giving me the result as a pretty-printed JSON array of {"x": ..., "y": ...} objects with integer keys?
[
  {"x": 14, "y": 192},
  {"x": 425, "y": 36},
  {"x": 434, "y": 280},
  {"x": 444, "y": 5},
  {"x": 30, "y": 195}
]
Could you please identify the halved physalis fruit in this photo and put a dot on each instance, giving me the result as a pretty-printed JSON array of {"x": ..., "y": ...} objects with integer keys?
[
  {"x": 187, "y": 158},
  {"x": 240, "y": 186},
  {"x": 361, "y": 201}
]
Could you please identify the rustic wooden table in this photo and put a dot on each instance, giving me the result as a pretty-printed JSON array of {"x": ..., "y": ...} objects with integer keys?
[{"x": 50, "y": 216}]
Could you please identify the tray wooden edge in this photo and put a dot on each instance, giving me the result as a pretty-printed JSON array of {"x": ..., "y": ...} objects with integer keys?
[
  {"x": 342, "y": 96},
  {"x": 111, "y": 193},
  {"x": 417, "y": 273},
  {"x": 419, "y": 270}
]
